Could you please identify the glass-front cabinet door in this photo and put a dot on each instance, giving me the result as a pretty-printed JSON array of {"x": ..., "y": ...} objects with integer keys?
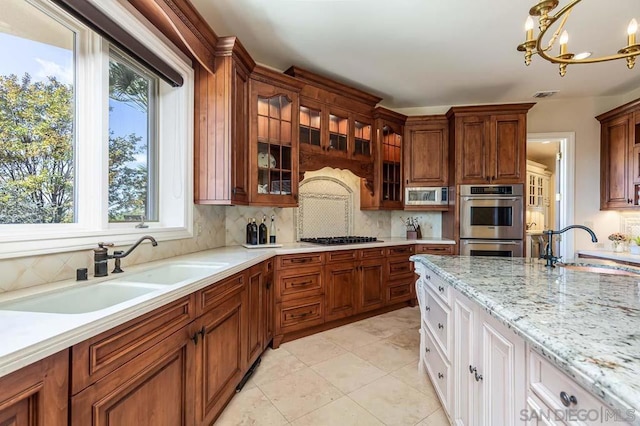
[
  {"x": 310, "y": 125},
  {"x": 338, "y": 133},
  {"x": 274, "y": 145},
  {"x": 391, "y": 150},
  {"x": 362, "y": 140}
]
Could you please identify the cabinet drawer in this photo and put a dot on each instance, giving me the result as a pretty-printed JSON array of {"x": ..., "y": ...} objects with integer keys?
[
  {"x": 547, "y": 383},
  {"x": 300, "y": 283},
  {"x": 434, "y": 248},
  {"x": 298, "y": 260},
  {"x": 439, "y": 370},
  {"x": 439, "y": 321},
  {"x": 94, "y": 358},
  {"x": 299, "y": 314},
  {"x": 341, "y": 256},
  {"x": 372, "y": 253},
  {"x": 399, "y": 291},
  {"x": 439, "y": 287},
  {"x": 394, "y": 251},
  {"x": 399, "y": 266},
  {"x": 212, "y": 295}
]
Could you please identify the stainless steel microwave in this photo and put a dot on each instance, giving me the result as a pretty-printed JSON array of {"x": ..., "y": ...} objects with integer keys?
[{"x": 426, "y": 196}]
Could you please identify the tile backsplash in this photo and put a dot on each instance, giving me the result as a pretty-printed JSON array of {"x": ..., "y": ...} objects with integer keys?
[
  {"x": 219, "y": 226},
  {"x": 30, "y": 271}
]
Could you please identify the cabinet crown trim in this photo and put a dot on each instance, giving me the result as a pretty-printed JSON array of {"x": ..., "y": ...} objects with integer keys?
[
  {"x": 231, "y": 46},
  {"x": 332, "y": 85},
  {"x": 490, "y": 109},
  {"x": 622, "y": 109}
]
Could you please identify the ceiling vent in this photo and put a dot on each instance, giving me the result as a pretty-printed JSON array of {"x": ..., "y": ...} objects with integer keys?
[{"x": 545, "y": 93}]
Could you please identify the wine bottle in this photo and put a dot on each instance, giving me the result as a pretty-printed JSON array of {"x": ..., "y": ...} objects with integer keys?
[
  {"x": 272, "y": 231},
  {"x": 254, "y": 232},
  {"x": 248, "y": 236},
  {"x": 262, "y": 231}
]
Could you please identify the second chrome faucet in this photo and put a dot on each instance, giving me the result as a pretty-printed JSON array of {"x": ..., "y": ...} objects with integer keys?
[{"x": 101, "y": 256}]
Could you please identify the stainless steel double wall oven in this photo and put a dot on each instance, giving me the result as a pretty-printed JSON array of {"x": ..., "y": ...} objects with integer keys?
[{"x": 491, "y": 220}]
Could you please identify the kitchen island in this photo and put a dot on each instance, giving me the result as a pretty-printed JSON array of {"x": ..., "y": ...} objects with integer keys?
[{"x": 584, "y": 324}]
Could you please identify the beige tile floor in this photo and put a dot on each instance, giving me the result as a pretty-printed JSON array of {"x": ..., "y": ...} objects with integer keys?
[{"x": 364, "y": 373}]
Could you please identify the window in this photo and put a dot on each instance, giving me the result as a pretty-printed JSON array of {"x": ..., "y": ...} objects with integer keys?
[{"x": 91, "y": 141}]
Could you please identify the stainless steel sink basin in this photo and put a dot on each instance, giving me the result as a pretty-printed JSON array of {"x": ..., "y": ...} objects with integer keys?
[
  {"x": 598, "y": 269},
  {"x": 78, "y": 300},
  {"x": 175, "y": 273}
]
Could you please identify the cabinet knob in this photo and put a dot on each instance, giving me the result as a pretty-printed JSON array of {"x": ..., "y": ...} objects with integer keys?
[
  {"x": 567, "y": 399},
  {"x": 472, "y": 369},
  {"x": 629, "y": 201},
  {"x": 440, "y": 326},
  {"x": 427, "y": 350},
  {"x": 428, "y": 277},
  {"x": 440, "y": 376},
  {"x": 428, "y": 308},
  {"x": 268, "y": 284},
  {"x": 478, "y": 377},
  {"x": 441, "y": 289}
]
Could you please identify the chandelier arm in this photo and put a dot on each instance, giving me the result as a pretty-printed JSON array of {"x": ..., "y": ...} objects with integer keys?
[
  {"x": 556, "y": 34},
  {"x": 556, "y": 60}
]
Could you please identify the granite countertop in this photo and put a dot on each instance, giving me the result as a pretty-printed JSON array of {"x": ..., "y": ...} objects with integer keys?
[
  {"x": 31, "y": 336},
  {"x": 587, "y": 324},
  {"x": 606, "y": 254}
]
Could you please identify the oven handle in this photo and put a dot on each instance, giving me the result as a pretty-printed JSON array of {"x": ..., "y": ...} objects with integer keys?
[
  {"x": 493, "y": 198},
  {"x": 502, "y": 242}
]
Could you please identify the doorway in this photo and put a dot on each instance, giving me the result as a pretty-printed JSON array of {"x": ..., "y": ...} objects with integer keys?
[{"x": 551, "y": 168}]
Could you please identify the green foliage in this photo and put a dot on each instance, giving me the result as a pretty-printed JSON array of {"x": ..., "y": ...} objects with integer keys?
[
  {"x": 36, "y": 151},
  {"x": 126, "y": 85},
  {"x": 127, "y": 184}
]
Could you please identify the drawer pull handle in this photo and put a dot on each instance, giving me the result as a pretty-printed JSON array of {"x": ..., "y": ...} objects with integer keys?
[
  {"x": 478, "y": 377},
  {"x": 440, "y": 326},
  {"x": 440, "y": 376},
  {"x": 202, "y": 333},
  {"x": 427, "y": 350},
  {"x": 441, "y": 289},
  {"x": 302, "y": 315},
  {"x": 428, "y": 308},
  {"x": 303, "y": 260},
  {"x": 428, "y": 277},
  {"x": 472, "y": 369},
  {"x": 567, "y": 399},
  {"x": 302, "y": 284}
]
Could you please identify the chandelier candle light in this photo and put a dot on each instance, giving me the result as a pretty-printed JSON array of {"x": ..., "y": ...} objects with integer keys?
[{"x": 533, "y": 44}]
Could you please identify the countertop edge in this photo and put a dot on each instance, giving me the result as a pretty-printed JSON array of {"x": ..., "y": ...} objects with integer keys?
[
  {"x": 92, "y": 325},
  {"x": 541, "y": 342}
]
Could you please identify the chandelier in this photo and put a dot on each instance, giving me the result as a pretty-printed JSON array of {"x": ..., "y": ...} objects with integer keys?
[{"x": 533, "y": 45}]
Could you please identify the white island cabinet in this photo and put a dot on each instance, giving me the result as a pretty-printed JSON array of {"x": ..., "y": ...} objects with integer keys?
[{"x": 485, "y": 374}]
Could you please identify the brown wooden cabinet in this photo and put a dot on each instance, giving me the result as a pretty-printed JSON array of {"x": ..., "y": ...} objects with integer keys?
[
  {"x": 386, "y": 190},
  {"x": 221, "y": 147},
  {"x": 371, "y": 284},
  {"x": 426, "y": 151},
  {"x": 489, "y": 143},
  {"x": 340, "y": 295},
  {"x": 273, "y": 140},
  {"x": 179, "y": 364},
  {"x": 255, "y": 312},
  {"x": 441, "y": 249},
  {"x": 620, "y": 157},
  {"x": 36, "y": 394},
  {"x": 269, "y": 302}
]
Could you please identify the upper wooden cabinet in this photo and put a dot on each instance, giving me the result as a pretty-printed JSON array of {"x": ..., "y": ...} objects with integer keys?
[
  {"x": 489, "y": 143},
  {"x": 620, "y": 157},
  {"x": 273, "y": 139},
  {"x": 221, "y": 132},
  {"x": 426, "y": 151},
  {"x": 386, "y": 190},
  {"x": 336, "y": 125}
]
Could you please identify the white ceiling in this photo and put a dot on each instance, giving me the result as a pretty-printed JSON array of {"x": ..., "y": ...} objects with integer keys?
[{"x": 428, "y": 52}]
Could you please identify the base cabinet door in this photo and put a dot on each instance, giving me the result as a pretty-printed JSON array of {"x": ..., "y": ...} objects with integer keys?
[
  {"x": 153, "y": 389},
  {"x": 464, "y": 320},
  {"x": 36, "y": 394},
  {"x": 219, "y": 358},
  {"x": 340, "y": 279},
  {"x": 255, "y": 311},
  {"x": 371, "y": 285}
]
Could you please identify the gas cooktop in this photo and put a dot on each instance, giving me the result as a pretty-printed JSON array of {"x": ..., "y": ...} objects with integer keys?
[{"x": 334, "y": 241}]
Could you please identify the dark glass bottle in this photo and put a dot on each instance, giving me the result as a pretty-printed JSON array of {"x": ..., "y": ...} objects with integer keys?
[
  {"x": 248, "y": 237},
  {"x": 262, "y": 231},
  {"x": 254, "y": 232}
]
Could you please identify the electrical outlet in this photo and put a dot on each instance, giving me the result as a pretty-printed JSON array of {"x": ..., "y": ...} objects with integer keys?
[{"x": 198, "y": 229}]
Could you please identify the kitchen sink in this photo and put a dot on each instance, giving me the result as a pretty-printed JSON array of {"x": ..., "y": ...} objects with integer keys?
[
  {"x": 79, "y": 300},
  {"x": 175, "y": 273},
  {"x": 598, "y": 269}
]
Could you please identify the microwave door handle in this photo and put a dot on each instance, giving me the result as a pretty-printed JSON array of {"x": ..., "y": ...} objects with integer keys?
[{"x": 506, "y": 243}]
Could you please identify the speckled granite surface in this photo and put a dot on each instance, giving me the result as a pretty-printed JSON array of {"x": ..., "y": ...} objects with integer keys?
[{"x": 587, "y": 324}]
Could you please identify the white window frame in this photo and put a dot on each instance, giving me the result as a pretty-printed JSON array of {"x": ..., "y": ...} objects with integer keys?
[{"x": 175, "y": 147}]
